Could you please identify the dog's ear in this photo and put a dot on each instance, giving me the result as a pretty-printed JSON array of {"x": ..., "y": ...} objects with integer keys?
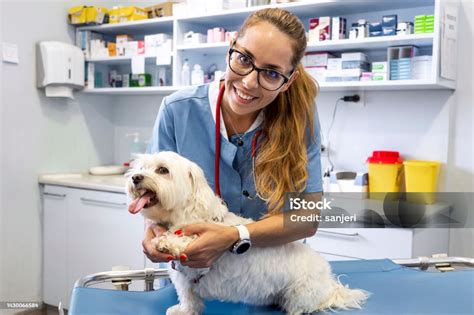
[
  {"x": 138, "y": 160},
  {"x": 198, "y": 180},
  {"x": 197, "y": 177},
  {"x": 135, "y": 165}
]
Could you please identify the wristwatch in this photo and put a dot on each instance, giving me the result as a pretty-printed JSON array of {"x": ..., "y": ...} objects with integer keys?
[{"x": 244, "y": 243}]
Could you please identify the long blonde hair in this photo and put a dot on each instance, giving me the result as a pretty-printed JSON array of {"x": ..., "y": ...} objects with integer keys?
[{"x": 281, "y": 164}]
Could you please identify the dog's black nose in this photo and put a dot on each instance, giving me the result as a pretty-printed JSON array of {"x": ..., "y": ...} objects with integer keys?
[{"x": 137, "y": 179}]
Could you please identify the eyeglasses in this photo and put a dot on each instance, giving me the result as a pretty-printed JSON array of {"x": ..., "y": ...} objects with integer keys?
[{"x": 268, "y": 79}]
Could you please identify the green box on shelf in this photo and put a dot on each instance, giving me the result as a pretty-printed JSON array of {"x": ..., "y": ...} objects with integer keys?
[
  {"x": 140, "y": 80},
  {"x": 98, "y": 80}
]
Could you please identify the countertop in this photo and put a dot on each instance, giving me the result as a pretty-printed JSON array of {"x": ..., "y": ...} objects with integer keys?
[{"x": 110, "y": 183}]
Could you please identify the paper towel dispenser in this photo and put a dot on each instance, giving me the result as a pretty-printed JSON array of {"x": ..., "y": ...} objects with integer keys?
[{"x": 60, "y": 68}]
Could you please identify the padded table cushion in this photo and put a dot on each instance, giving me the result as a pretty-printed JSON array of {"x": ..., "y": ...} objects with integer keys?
[{"x": 395, "y": 290}]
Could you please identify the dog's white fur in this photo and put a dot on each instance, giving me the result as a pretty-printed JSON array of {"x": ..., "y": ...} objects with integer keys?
[{"x": 291, "y": 275}]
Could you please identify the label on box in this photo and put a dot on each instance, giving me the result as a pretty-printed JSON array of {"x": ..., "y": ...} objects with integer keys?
[
  {"x": 317, "y": 59},
  {"x": 320, "y": 29},
  {"x": 355, "y": 64},
  {"x": 338, "y": 28},
  {"x": 141, "y": 47},
  {"x": 334, "y": 64},
  {"x": 379, "y": 76},
  {"x": 379, "y": 66},
  {"x": 131, "y": 48},
  {"x": 316, "y": 72},
  {"x": 354, "y": 56}
]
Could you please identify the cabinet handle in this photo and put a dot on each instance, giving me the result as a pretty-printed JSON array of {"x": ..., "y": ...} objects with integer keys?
[
  {"x": 110, "y": 203},
  {"x": 54, "y": 195},
  {"x": 340, "y": 234}
]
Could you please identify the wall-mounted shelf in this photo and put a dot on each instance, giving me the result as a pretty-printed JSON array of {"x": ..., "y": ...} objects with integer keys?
[
  {"x": 370, "y": 43},
  {"x": 150, "y": 26},
  {"x": 394, "y": 85},
  {"x": 149, "y": 90},
  {"x": 400, "y": 85},
  {"x": 212, "y": 55},
  {"x": 213, "y": 48},
  {"x": 120, "y": 60}
]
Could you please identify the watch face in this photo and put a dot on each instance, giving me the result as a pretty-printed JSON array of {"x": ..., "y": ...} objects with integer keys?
[{"x": 242, "y": 248}]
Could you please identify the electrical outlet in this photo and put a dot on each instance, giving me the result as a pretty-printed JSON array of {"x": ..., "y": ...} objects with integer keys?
[{"x": 324, "y": 149}]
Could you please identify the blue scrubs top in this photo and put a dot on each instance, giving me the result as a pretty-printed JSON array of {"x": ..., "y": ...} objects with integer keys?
[{"x": 185, "y": 125}]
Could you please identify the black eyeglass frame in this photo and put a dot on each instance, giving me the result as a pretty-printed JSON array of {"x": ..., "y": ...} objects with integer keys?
[{"x": 254, "y": 67}]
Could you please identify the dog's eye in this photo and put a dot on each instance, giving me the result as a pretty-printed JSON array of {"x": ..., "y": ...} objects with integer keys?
[{"x": 162, "y": 170}]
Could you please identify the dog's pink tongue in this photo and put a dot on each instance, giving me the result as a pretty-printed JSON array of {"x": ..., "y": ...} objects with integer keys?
[{"x": 138, "y": 204}]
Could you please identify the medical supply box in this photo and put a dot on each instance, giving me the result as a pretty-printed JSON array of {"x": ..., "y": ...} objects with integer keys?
[
  {"x": 87, "y": 15},
  {"x": 160, "y": 10},
  {"x": 319, "y": 29},
  {"x": 127, "y": 14}
]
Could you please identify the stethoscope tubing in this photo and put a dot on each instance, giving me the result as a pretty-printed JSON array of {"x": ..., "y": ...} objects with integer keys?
[{"x": 218, "y": 147}]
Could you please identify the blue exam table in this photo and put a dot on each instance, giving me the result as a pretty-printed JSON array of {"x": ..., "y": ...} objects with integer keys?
[{"x": 396, "y": 289}]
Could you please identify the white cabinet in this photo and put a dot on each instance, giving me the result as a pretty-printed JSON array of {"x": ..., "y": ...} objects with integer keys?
[
  {"x": 55, "y": 205},
  {"x": 84, "y": 232},
  {"x": 379, "y": 243},
  {"x": 213, "y": 54}
]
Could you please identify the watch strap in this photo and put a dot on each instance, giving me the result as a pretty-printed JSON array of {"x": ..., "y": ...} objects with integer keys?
[{"x": 244, "y": 233}]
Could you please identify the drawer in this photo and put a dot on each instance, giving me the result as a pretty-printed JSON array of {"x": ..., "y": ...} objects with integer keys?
[
  {"x": 55, "y": 192},
  {"x": 102, "y": 199},
  {"x": 364, "y": 243}
]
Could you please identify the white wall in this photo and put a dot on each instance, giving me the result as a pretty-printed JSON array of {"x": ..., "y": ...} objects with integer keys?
[
  {"x": 461, "y": 147},
  {"x": 39, "y": 135},
  {"x": 132, "y": 114},
  {"x": 2, "y": 256}
]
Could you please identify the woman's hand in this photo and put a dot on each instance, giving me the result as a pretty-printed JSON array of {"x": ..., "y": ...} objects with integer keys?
[
  {"x": 153, "y": 230},
  {"x": 213, "y": 240}
]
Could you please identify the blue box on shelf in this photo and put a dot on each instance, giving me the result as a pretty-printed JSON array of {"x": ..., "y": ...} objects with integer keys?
[
  {"x": 389, "y": 31},
  {"x": 375, "y": 27},
  {"x": 375, "y": 34},
  {"x": 389, "y": 21}
]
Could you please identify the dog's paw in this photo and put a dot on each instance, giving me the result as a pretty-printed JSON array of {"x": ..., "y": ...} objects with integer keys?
[
  {"x": 163, "y": 244},
  {"x": 178, "y": 309},
  {"x": 171, "y": 243}
]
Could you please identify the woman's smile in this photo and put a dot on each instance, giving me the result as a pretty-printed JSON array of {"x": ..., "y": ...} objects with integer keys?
[{"x": 243, "y": 97}]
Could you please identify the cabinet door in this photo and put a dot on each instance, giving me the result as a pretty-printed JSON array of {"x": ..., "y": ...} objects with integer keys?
[
  {"x": 102, "y": 234},
  {"x": 55, "y": 209},
  {"x": 363, "y": 243}
]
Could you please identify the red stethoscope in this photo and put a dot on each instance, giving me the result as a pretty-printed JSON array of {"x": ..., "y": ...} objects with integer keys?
[{"x": 218, "y": 147}]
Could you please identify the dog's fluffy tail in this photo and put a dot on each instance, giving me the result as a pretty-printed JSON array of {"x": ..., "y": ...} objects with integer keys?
[{"x": 344, "y": 298}]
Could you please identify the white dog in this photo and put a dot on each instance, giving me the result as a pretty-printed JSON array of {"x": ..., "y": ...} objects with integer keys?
[{"x": 173, "y": 192}]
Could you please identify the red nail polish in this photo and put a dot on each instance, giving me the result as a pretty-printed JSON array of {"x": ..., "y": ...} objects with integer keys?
[
  {"x": 183, "y": 258},
  {"x": 170, "y": 258},
  {"x": 178, "y": 232}
]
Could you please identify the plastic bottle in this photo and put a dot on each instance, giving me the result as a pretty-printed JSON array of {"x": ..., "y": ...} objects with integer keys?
[
  {"x": 137, "y": 147},
  {"x": 197, "y": 76},
  {"x": 185, "y": 74}
]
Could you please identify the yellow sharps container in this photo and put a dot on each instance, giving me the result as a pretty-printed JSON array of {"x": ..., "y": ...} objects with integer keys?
[
  {"x": 421, "y": 180},
  {"x": 385, "y": 168}
]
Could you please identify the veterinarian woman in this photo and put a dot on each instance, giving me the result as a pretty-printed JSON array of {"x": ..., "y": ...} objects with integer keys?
[{"x": 262, "y": 112}]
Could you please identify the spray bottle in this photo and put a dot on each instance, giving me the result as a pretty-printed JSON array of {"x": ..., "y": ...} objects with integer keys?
[
  {"x": 137, "y": 147},
  {"x": 185, "y": 74},
  {"x": 197, "y": 76}
]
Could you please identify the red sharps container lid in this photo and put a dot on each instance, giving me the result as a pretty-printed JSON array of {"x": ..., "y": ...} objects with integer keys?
[{"x": 385, "y": 157}]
